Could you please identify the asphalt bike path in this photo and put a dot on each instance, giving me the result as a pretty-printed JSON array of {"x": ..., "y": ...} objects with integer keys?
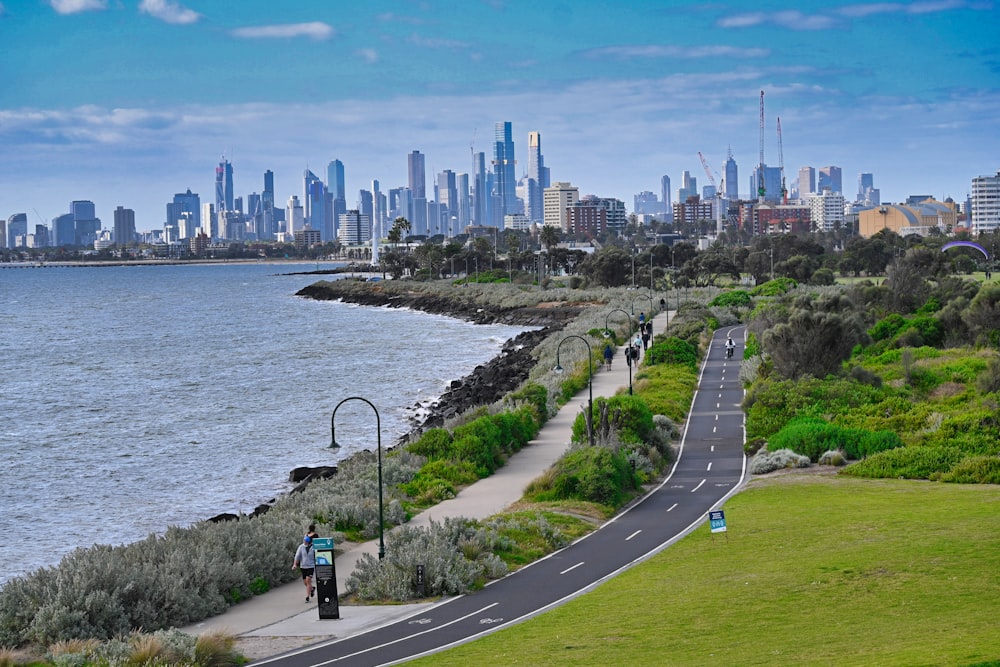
[{"x": 710, "y": 467}]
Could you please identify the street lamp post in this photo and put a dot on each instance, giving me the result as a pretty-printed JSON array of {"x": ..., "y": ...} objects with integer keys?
[
  {"x": 607, "y": 334},
  {"x": 590, "y": 382},
  {"x": 378, "y": 433},
  {"x": 644, "y": 296}
]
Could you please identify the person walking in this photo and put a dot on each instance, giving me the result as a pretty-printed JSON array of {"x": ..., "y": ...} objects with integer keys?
[
  {"x": 305, "y": 561},
  {"x": 608, "y": 354}
]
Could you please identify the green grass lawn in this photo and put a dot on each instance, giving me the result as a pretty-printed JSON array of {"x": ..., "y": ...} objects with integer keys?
[{"x": 816, "y": 569}]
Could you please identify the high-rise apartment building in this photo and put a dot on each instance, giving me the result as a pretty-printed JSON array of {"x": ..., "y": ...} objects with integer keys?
[
  {"x": 557, "y": 198},
  {"x": 732, "y": 176},
  {"x": 826, "y": 210},
  {"x": 830, "y": 178},
  {"x": 464, "y": 202},
  {"x": 504, "y": 180},
  {"x": 183, "y": 202},
  {"x": 807, "y": 181},
  {"x": 124, "y": 230},
  {"x": 985, "y": 203},
  {"x": 418, "y": 192},
  {"x": 294, "y": 216},
  {"x": 646, "y": 203},
  {"x": 224, "y": 186}
]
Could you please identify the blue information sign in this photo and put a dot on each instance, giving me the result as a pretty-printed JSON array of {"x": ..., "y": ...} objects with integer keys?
[{"x": 717, "y": 521}]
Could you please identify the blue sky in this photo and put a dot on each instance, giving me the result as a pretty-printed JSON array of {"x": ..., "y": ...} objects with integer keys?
[{"x": 126, "y": 102}]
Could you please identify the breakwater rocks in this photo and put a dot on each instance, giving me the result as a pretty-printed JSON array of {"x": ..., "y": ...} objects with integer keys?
[{"x": 453, "y": 304}]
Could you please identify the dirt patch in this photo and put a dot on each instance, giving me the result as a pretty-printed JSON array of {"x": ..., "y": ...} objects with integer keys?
[{"x": 258, "y": 648}]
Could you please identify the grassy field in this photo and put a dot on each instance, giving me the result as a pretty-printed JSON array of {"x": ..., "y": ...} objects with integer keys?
[{"x": 816, "y": 570}]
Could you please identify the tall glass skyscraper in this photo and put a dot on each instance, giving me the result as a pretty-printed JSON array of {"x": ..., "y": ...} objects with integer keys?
[
  {"x": 418, "y": 192},
  {"x": 224, "y": 186},
  {"x": 505, "y": 182},
  {"x": 538, "y": 178},
  {"x": 732, "y": 186},
  {"x": 480, "y": 191},
  {"x": 267, "y": 229}
]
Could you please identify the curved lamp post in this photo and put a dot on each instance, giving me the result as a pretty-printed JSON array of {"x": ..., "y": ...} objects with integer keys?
[
  {"x": 607, "y": 334},
  {"x": 644, "y": 296},
  {"x": 378, "y": 432},
  {"x": 590, "y": 382}
]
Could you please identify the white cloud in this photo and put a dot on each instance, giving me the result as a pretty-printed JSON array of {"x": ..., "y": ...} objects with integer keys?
[
  {"x": 656, "y": 51},
  {"x": 313, "y": 30},
  {"x": 168, "y": 11},
  {"x": 77, "y": 6},
  {"x": 368, "y": 55}
]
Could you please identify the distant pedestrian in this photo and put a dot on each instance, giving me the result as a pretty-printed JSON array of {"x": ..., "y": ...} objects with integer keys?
[
  {"x": 645, "y": 339},
  {"x": 305, "y": 561},
  {"x": 608, "y": 354},
  {"x": 628, "y": 355},
  {"x": 642, "y": 318}
]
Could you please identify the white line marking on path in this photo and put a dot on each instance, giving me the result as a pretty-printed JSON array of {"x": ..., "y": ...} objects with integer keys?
[
  {"x": 632, "y": 535},
  {"x": 698, "y": 487},
  {"x": 709, "y": 466},
  {"x": 672, "y": 507},
  {"x": 572, "y": 568}
]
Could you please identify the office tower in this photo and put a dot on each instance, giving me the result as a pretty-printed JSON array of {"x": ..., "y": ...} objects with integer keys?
[
  {"x": 807, "y": 181},
  {"x": 255, "y": 216},
  {"x": 184, "y": 202},
  {"x": 400, "y": 204},
  {"x": 224, "y": 186},
  {"x": 732, "y": 184},
  {"x": 537, "y": 178},
  {"x": 504, "y": 180},
  {"x": 667, "y": 211},
  {"x": 772, "y": 183},
  {"x": 209, "y": 221},
  {"x": 464, "y": 203},
  {"x": 480, "y": 190},
  {"x": 689, "y": 187},
  {"x": 868, "y": 194},
  {"x": 830, "y": 179},
  {"x": 308, "y": 179},
  {"x": 378, "y": 210},
  {"x": 448, "y": 199},
  {"x": 294, "y": 216},
  {"x": 646, "y": 203},
  {"x": 708, "y": 192},
  {"x": 556, "y": 199},
  {"x": 366, "y": 207},
  {"x": 418, "y": 193},
  {"x": 17, "y": 226},
  {"x": 315, "y": 210},
  {"x": 64, "y": 230},
  {"x": 985, "y": 203},
  {"x": 86, "y": 221},
  {"x": 335, "y": 179},
  {"x": 267, "y": 228},
  {"x": 124, "y": 230}
]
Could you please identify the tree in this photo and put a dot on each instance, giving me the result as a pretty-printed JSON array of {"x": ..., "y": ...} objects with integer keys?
[
  {"x": 548, "y": 236},
  {"x": 812, "y": 343},
  {"x": 608, "y": 267}
]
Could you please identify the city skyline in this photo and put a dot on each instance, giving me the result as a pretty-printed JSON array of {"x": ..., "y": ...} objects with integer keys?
[{"x": 128, "y": 103}]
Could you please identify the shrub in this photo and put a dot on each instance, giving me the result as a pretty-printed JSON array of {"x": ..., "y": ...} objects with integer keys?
[
  {"x": 764, "y": 461},
  {"x": 593, "y": 474},
  {"x": 834, "y": 457},
  {"x": 673, "y": 350},
  {"x": 907, "y": 463},
  {"x": 535, "y": 395},
  {"x": 812, "y": 437},
  {"x": 775, "y": 287},
  {"x": 975, "y": 470},
  {"x": 887, "y": 327},
  {"x": 435, "y": 443},
  {"x": 627, "y": 417},
  {"x": 733, "y": 299}
]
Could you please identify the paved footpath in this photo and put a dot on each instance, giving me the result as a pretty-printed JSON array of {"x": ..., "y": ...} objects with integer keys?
[{"x": 283, "y": 612}]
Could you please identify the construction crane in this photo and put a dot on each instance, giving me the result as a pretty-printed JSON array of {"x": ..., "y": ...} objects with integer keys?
[
  {"x": 781, "y": 165},
  {"x": 718, "y": 192},
  {"x": 761, "y": 190},
  {"x": 708, "y": 171}
]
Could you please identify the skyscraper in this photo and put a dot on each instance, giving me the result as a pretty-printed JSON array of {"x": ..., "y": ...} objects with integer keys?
[
  {"x": 830, "y": 179},
  {"x": 267, "y": 228},
  {"x": 448, "y": 198},
  {"x": 184, "y": 202},
  {"x": 807, "y": 181},
  {"x": 418, "y": 192},
  {"x": 732, "y": 192},
  {"x": 335, "y": 179},
  {"x": 538, "y": 178},
  {"x": 986, "y": 203},
  {"x": 464, "y": 205},
  {"x": 505, "y": 182},
  {"x": 308, "y": 178},
  {"x": 668, "y": 212},
  {"x": 868, "y": 194},
  {"x": 689, "y": 187},
  {"x": 480, "y": 190},
  {"x": 17, "y": 226},
  {"x": 124, "y": 230},
  {"x": 224, "y": 186}
]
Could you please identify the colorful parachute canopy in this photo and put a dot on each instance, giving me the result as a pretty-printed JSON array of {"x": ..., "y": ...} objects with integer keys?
[{"x": 965, "y": 244}]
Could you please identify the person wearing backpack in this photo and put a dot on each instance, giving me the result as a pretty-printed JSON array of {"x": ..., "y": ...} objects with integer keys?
[{"x": 305, "y": 561}]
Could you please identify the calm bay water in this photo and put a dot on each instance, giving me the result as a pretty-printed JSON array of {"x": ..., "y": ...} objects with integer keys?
[{"x": 134, "y": 398}]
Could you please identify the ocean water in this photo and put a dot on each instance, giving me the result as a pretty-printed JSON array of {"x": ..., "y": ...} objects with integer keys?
[{"x": 134, "y": 398}]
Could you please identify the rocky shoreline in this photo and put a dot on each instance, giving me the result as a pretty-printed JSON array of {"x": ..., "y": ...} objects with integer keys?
[{"x": 486, "y": 384}]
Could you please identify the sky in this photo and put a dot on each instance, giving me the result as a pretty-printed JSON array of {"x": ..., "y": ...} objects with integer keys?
[{"x": 126, "y": 102}]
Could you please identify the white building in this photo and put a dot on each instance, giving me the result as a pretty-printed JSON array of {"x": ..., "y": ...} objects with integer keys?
[
  {"x": 826, "y": 210},
  {"x": 556, "y": 200},
  {"x": 295, "y": 217},
  {"x": 354, "y": 228},
  {"x": 985, "y": 203}
]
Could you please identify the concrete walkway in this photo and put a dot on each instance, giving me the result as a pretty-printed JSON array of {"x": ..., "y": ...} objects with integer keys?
[{"x": 282, "y": 612}]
